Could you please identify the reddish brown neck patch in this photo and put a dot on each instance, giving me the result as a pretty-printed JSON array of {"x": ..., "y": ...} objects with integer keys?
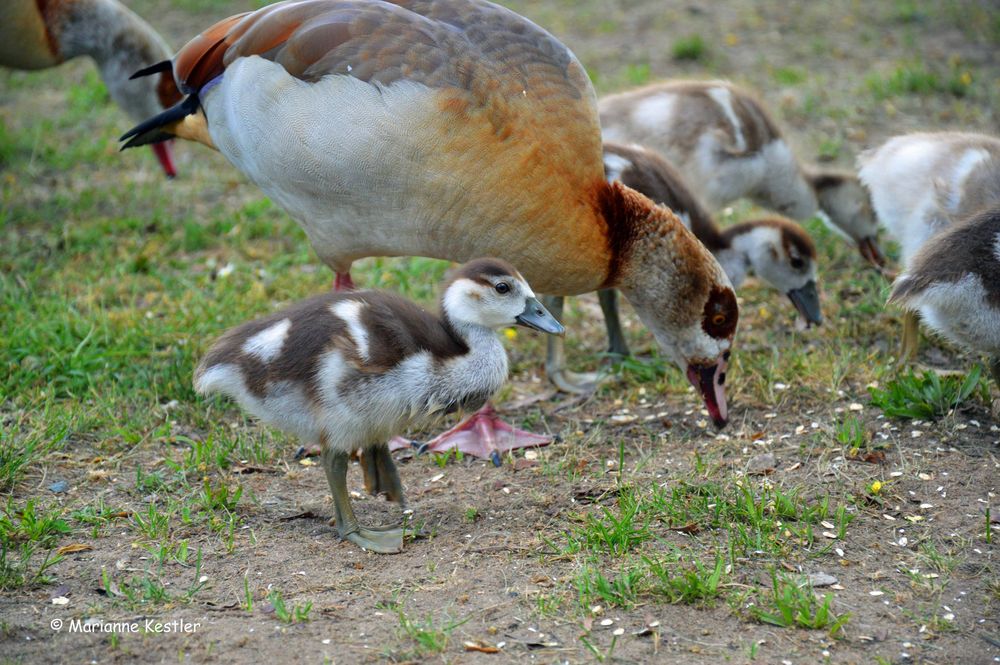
[
  {"x": 619, "y": 208},
  {"x": 47, "y": 9}
]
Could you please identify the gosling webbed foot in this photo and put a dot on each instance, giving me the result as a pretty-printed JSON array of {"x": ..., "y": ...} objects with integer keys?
[{"x": 381, "y": 541}]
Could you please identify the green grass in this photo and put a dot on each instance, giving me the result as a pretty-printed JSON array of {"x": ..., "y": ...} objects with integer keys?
[
  {"x": 917, "y": 78},
  {"x": 28, "y": 535},
  {"x": 689, "y": 47},
  {"x": 792, "y": 602},
  {"x": 926, "y": 396},
  {"x": 429, "y": 635},
  {"x": 286, "y": 613},
  {"x": 789, "y": 75},
  {"x": 688, "y": 583}
]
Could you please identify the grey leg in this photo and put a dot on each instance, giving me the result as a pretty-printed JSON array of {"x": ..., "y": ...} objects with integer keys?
[
  {"x": 995, "y": 369},
  {"x": 555, "y": 361},
  {"x": 381, "y": 475},
  {"x": 617, "y": 346},
  {"x": 383, "y": 542},
  {"x": 910, "y": 342}
]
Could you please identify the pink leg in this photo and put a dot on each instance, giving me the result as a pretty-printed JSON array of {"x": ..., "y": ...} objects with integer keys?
[
  {"x": 343, "y": 282},
  {"x": 481, "y": 435}
]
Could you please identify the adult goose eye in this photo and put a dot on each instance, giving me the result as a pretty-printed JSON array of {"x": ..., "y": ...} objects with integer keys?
[{"x": 502, "y": 287}]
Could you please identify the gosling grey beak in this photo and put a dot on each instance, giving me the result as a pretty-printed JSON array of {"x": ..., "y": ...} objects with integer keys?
[
  {"x": 537, "y": 317},
  {"x": 806, "y": 301}
]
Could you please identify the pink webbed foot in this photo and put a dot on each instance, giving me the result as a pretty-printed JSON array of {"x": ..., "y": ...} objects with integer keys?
[{"x": 482, "y": 435}]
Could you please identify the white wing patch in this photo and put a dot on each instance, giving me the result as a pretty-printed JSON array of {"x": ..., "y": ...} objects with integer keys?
[
  {"x": 724, "y": 99},
  {"x": 966, "y": 165},
  {"x": 350, "y": 312},
  {"x": 653, "y": 113},
  {"x": 996, "y": 246},
  {"x": 267, "y": 344},
  {"x": 224, "y": 379}
]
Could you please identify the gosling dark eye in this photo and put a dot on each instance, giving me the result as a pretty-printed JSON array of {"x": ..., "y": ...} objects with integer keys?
[
  {"x": 798, "y": 263},
  {"x": 502, "y": 287}
]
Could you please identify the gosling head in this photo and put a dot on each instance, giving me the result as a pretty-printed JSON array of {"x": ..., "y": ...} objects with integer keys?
[
  {"x": 490, "y": 293},
  {"x": 782, "y": 254},
  {"x": 842, "y": 196}
]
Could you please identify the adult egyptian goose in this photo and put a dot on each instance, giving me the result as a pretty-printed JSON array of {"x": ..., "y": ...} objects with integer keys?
[
  {"x": 37, "y": 34},
  {"x": 729, "y": 147},
  {"x": 448, "y": 129},
  {"x": 351, "y": 369},
  {"x": 953, "y": 280},
  {"x": 922, "y": 183}
]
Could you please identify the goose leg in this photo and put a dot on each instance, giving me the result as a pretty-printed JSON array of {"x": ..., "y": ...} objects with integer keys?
[
  {"x": 555, "y": 361},
  {"x": 910, "y": 341},
  {"x": 617, "y": 346},
  {"x": 381, "y": 475},
  {"x": 995, "y": 369},
  {"x": 343, "y": 282},
  {"x": 389, "y": 541},
  {"x": 482, "y": 435}
]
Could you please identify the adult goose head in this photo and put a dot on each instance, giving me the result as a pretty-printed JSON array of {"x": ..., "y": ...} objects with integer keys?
[{"x": 37, "y": 35}]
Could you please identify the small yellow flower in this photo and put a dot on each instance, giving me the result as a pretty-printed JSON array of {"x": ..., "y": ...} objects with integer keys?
[
  {"x": 876, "y": 487},
  {"x": 966, "y": 78},
  {"x": 510, "y": 333},
  {"x": 732, "y": 39}
]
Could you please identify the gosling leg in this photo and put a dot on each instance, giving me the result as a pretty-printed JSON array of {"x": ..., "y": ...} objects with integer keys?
[
  {"x": 555, "y": 361},
  {"x": 384, "y": 542},
  {"x": 381, "y": 475},
  {"x": 910, "y": 342}
]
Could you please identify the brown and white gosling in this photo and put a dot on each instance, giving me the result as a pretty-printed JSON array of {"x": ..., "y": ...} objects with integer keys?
[
  {"x": 923, "y": 183},
  {"x": 728, "y": 146},
  {"x": 954, "y": 282},
  {"x": 350, "y": 370}
]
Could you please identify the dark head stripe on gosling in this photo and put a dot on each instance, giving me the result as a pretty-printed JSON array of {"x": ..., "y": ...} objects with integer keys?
[
  {"x": 792, "y": 235},
  {"x": 484, "y": 271}
]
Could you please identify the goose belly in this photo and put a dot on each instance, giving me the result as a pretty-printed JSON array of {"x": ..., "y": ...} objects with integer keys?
[
  {"x": 372, "y": 170},
  {"x": 341, "y": 156}
]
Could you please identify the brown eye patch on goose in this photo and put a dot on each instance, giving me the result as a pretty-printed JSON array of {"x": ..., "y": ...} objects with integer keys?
[{"x": 721, "y": 313}]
